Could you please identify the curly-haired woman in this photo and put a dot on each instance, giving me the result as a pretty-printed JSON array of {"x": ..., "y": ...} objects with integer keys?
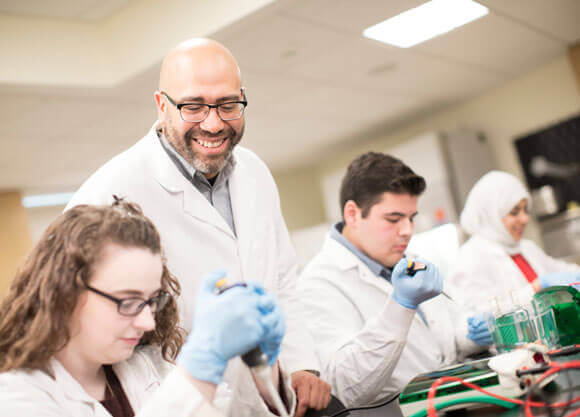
[{"x": 89, "y": 327}]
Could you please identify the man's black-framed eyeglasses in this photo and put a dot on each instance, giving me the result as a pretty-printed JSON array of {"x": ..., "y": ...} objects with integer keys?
[
  {"x": 132, "y": 306},
  {"x": 198, "y": 112}
]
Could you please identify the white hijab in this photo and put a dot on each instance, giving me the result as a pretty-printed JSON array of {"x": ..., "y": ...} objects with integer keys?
[{"x": 490, "y": 199}]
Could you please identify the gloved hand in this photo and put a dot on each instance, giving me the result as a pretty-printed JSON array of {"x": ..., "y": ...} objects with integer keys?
[
  {"x": 224, "y": 326},
  {"x": 478, "y": 330},
  {"x": 273, "y": 322},
  {"x": 559, "y": 278},
  {"x": 410, "y": 291}
]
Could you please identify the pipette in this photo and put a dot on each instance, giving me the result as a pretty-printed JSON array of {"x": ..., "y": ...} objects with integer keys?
[
  {"x": 413, "y": 267},
  {"x": 257, "y": 360}
]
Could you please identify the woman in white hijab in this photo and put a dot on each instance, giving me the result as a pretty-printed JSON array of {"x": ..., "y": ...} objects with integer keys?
[{"x": 496, "y": 261}]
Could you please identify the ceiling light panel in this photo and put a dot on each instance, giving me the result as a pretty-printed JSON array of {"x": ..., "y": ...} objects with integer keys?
[{"x": 425, "y": 22}]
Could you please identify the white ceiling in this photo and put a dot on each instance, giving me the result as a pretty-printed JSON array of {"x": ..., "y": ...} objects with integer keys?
[
  {"x": 89, "y": 10},
  {"x": 313, "y": 82}
]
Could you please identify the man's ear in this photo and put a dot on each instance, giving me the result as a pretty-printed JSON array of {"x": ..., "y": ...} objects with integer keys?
[
  {"x": 351, "y": 213},
  {"x": 161, "y": 105}
]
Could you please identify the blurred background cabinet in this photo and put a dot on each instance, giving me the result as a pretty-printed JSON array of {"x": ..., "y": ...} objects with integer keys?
[{"x": 550, "y": 159}]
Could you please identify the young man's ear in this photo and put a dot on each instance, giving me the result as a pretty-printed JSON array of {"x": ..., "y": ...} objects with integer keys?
[{"x": 351, "y": 213}]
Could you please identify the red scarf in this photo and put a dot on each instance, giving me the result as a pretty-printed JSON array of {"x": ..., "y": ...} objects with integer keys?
[{"x": 525, "y": 267}]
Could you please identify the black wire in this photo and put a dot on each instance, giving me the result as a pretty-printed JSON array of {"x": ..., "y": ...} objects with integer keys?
[
  {"x": 568, "y": 350},
  {"x": 535, "y": 389},
  {"x": 368, "y": 407},
  {"x": 570, "y": 395},
  {"x": 533, "y": 371}
]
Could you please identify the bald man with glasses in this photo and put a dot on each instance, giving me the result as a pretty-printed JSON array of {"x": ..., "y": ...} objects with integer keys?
[{"x": 215, "y": 203}]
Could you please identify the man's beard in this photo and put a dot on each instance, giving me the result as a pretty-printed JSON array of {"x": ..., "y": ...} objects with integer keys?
[{"x": 207, "y": 165}]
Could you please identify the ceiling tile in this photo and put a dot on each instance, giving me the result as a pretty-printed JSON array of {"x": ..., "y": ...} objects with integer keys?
[
  {"x": 494, "y": 43},
  {"x": 373, "y": 66},
  {"x": 278, "y": 43},
  {"x": 559, "y": 18},
  {"x": 65, "y": 9},
  {"x": 347, "y": 15}
]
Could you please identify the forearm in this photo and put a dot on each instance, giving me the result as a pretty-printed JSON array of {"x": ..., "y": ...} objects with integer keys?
[
  {"x": 181, "y": 395},
  {"x": 298, "y": 351},
  {"x": 358, "y": 369},
  {"x": 205, "y": 388}
]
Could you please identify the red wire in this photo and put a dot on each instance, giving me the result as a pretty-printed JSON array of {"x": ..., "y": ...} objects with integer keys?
[
  {"x": 431, "y": 412},
  {"x": 574, "y": 414},
  {"x": 556, "y": 367}
]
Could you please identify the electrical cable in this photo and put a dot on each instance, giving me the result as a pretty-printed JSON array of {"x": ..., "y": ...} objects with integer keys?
[
  {"x": 546, "y": 405},
  {"x": 570, "y": 396},
  {"x": 367, "y": 407},
  {"x": 565, "y": 351},
  {"x": 556, "y": 367},
  {"x": 468, "y": 400}
]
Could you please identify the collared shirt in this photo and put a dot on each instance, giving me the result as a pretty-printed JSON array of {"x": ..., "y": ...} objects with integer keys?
[
  {"x": 218, "y": 193},
  {"x": 375, "y": 267}
]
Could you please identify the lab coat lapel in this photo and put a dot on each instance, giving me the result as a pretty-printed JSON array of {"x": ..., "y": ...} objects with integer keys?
[
  {"x": 137, "y": 378},
  {"x": 196, "y": 205},
  {"x": 345, "y": 259},
  {"x": 243, "y": 197},
  {"x": 173, "y": 181},
  {"x": 71, "y": 387},
  {"x": 348, "y": 260}
]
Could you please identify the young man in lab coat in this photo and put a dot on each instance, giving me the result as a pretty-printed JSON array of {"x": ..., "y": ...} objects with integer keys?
[
  {"x": 377, "y": 325},
  {"x": 214, "y": 203}
]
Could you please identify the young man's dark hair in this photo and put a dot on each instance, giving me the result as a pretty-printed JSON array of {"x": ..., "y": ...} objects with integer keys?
[{"x": 374, "y": 173}]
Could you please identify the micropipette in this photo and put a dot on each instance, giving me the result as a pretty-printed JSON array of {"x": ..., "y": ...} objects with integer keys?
[{"x": 257, "y": 360}]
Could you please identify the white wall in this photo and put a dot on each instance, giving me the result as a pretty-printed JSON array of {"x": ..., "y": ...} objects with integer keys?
[
  {"x": 40, "y": 218},
  {"x": 527, "y": 103}
]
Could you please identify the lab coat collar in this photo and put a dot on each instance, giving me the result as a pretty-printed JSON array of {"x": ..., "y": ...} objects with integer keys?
[
  {"x": 170, "y": 178},
  {"x": 375, "y": 267},
  {"x": 144, "y": 381},
  {"x": 163, "y": 168},
  {"x": 136, "y": 386},
  {"x": 71, "y": 388},
  {"x": 345, "y": 260}
]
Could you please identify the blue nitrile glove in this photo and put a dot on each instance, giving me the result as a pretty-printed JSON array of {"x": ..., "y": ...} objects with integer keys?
[
  {"x": 478, "y": 330},
  {"x": 410, "y": 291},
  {"x": 273, "y": 323},
  {"x": 559, "y": 278},
  {"x": 224, "y": 326}
]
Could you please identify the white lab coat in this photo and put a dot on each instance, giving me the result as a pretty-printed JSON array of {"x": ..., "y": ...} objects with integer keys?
[
  {"x": 369, "y": 345},
  {"x": 152, "y": 391},
  {"x": 484, "y": 270},
  {"x": 196, "y": 239}
]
